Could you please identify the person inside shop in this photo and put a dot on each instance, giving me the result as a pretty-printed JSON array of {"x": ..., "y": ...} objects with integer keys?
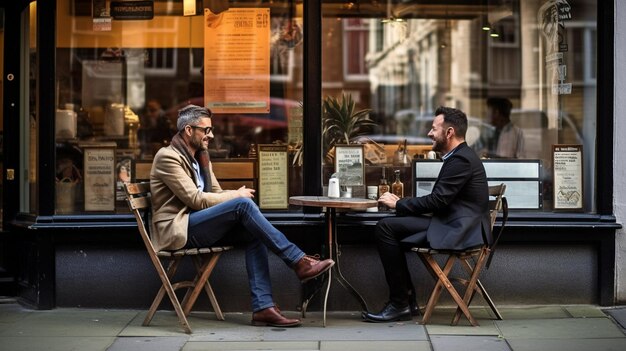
[
  {"x": 191, "y": 210},
  {"x": 155, "y": 128},
  {"x": 508, "y": 139},
  {"x": 455, "y": 215}
]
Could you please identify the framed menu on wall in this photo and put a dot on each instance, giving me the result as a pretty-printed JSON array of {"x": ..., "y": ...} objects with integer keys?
[
  {"x": 349, "y": 165},
  {"x": 99, "y": 171},
  {"x": 273, "y": 177},
  {"x": 567, "y": 160}
]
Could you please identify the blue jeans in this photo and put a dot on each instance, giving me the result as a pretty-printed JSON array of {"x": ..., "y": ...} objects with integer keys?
[{"x": 211, "y": 224}]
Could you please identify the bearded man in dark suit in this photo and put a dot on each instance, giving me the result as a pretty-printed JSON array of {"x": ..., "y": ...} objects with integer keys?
[{"x": 455, "y": 215}]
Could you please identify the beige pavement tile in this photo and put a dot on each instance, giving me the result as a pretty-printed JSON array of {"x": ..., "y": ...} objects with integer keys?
[
  {"x": 375, "y": 345},
  {"x": 568, "y": 344},
  {"x": 457, "y": 342},
  {"x": 70, "y": 322},
  {"x": 444, "y": 315},
  {"x": 486, "y": 327},
  {"x": 349, "y": 326},
  {"x": 533, "y": 312},
  {"x": 54, "y": 343},
  {"x": 148, "y": 343},
  {"x": 439, "y": 323},
  {"x": 238, "y": 345},
  {"x": 568, "y": 328},
  {"x": 166, "y": 323},
  {"x": 585, "y": 311},
  {"x": 12, "y": 312}
]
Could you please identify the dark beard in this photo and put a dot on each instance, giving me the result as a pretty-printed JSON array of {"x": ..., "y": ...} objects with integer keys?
[
  {"x": 439, "y": 145},
  {"x": 197, "y": 144}
]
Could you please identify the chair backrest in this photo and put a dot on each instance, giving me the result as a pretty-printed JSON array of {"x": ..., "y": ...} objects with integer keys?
[
  {"x": 139, "y": 200},
  {"x": 496, "y": 205}
]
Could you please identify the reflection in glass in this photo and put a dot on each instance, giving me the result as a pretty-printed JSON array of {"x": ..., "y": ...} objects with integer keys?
[
  {"x": 403, "y": 59},
  {"x": 125, "y": 84}
]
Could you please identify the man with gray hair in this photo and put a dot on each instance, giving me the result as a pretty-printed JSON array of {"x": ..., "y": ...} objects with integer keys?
[{"x": 190, "y": 210}]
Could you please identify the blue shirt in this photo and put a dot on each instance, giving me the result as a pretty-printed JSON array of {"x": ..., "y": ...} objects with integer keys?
[
  {"x": 445, "y": 157},
  {"x": 196, "y": 167}
]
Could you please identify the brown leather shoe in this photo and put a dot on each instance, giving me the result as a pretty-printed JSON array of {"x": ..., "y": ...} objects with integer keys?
[
  {"x": 272, "y": 317},
  {"x": 310, "y": 267}
]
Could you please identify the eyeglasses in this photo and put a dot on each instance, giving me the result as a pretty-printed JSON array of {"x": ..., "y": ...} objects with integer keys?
[{"x": 207, "y": 130}]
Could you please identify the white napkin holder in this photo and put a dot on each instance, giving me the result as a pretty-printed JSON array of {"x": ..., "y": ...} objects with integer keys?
[{"x": 333, "y": 186}]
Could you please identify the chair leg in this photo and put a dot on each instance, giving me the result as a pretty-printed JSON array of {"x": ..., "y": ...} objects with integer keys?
[
  {"x": 207, "y": 286},
  {"x": 200, "y": 282},
  {"x": 428, "y": 260},
  {"x": 487, "y": 298},
  {"x": 171, "y": 270},
  {"x": 480, "y": 289},
  {"x": 433, "y": 266},
  {"x": 471, "y": 288},
  {"x": 443, "y": 281},
  {"x": 167, "y": 287},
  {"x": 469, "y": 268}
]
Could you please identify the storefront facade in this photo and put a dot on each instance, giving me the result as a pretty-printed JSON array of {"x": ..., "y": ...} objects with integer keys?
[{"x": 94, "y": 89}]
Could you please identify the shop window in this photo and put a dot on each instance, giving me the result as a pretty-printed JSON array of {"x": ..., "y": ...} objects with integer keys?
[
  {"x": 120, "y": 85},
  {"x": 540, "y": 56}
]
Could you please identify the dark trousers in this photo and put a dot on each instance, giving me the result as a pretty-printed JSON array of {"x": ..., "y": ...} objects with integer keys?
[{"x": 394, "y": 235}]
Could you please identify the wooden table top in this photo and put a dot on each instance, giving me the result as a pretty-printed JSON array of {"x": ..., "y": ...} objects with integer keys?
[{"x": 325, "y": 201}]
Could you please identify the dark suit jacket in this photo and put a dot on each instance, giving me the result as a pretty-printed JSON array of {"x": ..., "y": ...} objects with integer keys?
[{"x": 459, "y": 204}]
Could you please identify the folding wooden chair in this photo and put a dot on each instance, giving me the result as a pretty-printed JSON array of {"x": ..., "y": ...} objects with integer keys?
[
  {"x": 472, "y": 261},
  {"x": 204, "y": 259}
]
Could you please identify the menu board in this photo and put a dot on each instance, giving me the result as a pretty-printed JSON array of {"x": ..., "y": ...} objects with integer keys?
[
  {"x": 349, "y": 165},
  {"x": 99, "y": 163},
  {"x": 237, "y": 60},
  {"x": 273, "y": 177},
  {"x": 567, "y": 161}
]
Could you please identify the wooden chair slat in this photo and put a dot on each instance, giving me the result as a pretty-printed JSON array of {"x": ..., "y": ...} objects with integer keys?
[{"x": 139, "y": 203}]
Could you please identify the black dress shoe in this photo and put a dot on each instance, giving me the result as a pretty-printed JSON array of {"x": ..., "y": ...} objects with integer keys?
[
  {"x": 389, "y": 313},
  {"x": 414, "y": 307}
]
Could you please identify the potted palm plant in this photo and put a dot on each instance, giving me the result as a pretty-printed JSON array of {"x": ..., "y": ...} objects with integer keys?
[{"x": 342, "y": 122}]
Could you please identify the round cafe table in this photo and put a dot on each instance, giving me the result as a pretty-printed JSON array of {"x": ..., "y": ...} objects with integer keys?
[{"x": 332, "y": 204}]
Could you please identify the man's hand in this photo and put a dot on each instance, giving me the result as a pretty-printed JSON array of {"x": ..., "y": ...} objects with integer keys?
[
  {"x": 388, "y": 199},
  {"x": 246, "y": 192}
]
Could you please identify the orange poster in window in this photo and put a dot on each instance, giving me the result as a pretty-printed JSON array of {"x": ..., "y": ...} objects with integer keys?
[{"x": 236, "y": 60}]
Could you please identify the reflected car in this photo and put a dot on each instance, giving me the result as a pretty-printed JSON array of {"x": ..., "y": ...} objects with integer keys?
[
  {"x": 414, "y": 127},
  {"x": 234, "y": 133}
]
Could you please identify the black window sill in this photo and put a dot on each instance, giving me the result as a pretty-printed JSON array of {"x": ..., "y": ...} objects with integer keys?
[
  {"x": 524, "y": 219},
  {"x": 516, "y": 219}
]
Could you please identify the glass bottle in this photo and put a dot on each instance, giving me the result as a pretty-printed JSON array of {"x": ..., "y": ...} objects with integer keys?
[
  {"x": 397, "y": 188},
  {"x": 252, "y": 153},
  {"x": 383, "y": 187}
]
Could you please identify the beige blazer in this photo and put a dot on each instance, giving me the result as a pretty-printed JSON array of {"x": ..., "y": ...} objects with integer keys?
[{"x": 175, "y": 193}]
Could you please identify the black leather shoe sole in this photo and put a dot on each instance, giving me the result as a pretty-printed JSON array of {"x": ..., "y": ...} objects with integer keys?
[
  {"x": 415, "y": 309},
  {"x": 374, "y": 318}
]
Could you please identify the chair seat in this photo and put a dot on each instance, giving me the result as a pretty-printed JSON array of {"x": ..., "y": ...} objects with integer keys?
[
  {"x": 469, "y": 251},
  {"x": 193, "y": 251}
]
